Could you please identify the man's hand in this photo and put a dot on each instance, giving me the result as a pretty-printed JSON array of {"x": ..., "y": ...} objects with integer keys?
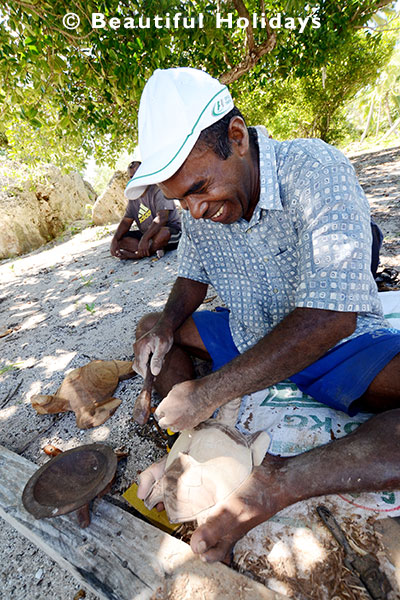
[
  {"x": 156, "y": 343},
  {"x": 120, "y": 232},
  {"x": 144, "y": 247},
  {"x": 114, "y": 248},
  {"x": 125, "y": 254},
  {"x": 187, "y": 405},
  {"x": 149, "y": 477},
  {"x": 122, "y": 253}
]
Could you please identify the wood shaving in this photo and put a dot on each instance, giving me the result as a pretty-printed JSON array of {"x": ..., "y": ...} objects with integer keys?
[{"x": 329, "y": 579}]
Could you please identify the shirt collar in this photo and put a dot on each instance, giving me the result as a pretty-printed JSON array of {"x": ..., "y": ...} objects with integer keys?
[{"x": 269, "y": 187}]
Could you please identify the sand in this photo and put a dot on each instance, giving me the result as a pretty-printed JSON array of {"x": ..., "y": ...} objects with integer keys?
[{"x": 71, "y": 302}]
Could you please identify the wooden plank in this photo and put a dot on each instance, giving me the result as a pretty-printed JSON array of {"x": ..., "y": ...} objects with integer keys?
[
  {"x": 389, "y": 530},
  {"x": 120, "y": 557}
]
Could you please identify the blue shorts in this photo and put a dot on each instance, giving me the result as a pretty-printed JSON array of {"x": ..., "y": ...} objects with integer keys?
[{"x": 337, "y": 379}]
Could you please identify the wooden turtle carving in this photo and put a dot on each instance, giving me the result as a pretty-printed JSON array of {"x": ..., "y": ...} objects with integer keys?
[
  {"x": 205, "y": 465},
  {"x": 87, "y": 391},
  {"x": 68, "y": 482}
]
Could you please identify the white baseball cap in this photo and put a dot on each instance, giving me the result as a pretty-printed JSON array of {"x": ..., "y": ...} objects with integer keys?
[{"x": 176, "y": 105}]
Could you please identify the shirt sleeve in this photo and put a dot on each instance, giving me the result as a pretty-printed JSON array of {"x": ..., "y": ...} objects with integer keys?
[
  {"x": 131, "y": 210},
  {"x": 161, "y": 202},
  {"x": 190, "y": 265},
  {"x": 334, "y": 241}
]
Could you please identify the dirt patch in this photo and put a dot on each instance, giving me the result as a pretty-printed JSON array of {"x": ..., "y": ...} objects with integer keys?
[{"x": 379, "y": 175}]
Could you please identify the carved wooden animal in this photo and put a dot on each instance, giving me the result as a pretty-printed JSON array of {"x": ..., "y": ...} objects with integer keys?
[
  {"x": 69, "y": 481},
  {"x": 87, "y": 391},
  {"x": 205, "y": 465}
]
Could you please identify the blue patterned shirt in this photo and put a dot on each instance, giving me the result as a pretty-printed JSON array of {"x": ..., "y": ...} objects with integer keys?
[{"x": 308, "y": 244}]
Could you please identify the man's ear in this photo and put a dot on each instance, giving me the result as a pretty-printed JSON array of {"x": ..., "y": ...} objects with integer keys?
[{"x": 238, "y": 134}]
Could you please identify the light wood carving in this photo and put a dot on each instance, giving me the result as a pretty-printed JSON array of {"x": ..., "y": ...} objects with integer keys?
[{"x": 87, "y": 391}]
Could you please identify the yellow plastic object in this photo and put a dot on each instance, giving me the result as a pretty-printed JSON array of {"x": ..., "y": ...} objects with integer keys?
[
  {"x": 159, "y": 519},
  {"x": 172, "y": 437}
]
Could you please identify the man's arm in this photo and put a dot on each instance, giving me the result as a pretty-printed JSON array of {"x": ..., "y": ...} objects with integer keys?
[
  {"x": 300, "y": 339},
  {"x": 121, "y": 230},
  {"x": 160, "y": 220},
  {"x": 185, "y": 297}
]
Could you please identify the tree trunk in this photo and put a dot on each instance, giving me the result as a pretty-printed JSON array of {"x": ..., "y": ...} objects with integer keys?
[
  {"x": 371, "y": 110},
  {"x": 388, "y": 109},
  {"x": 378, "y": 122},
  {"x": 391, "y": 130}
]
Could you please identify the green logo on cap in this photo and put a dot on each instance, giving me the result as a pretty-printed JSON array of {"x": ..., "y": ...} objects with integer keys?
[{"x": 221, "y": 106}]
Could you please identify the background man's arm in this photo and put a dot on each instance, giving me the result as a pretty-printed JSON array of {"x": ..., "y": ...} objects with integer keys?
[
  {"x": 300, "y": 339},
  {"x": 185, "y": 297},
  {"x": 160, "y": 220},
  {"x": 121, "y": 230}
]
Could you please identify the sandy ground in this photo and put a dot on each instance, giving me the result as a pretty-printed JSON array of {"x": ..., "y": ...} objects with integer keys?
[
  {"x": 379, "y": 175},
  {"x": 71, "y": 302}
]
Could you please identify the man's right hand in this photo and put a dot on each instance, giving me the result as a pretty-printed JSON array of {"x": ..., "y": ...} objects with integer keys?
[
  {"x": 114, "y": 248},
  {"x": 156, "y": 343}
]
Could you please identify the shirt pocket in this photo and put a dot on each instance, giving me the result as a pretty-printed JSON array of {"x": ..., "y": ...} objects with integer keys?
[{"x": 286, "y": 266}]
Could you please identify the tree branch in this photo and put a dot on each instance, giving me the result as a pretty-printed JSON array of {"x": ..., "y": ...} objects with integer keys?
[
  {"x": 243, "y": 12},
  {"x": 362, "y": 13},
  {"x": 253, "y": 52},
  {"x": 42, "y": 15},
  {"x": 249, "y": 60}
]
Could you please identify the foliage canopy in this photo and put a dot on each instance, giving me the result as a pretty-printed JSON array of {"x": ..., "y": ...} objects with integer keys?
[
  {"x": 315, "y": 105},
  {"x": 66, "y": 94}
]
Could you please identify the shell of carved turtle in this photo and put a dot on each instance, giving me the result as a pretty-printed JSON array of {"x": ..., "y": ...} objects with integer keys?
[
  {"x": 69, "y": 481},
  {"x": 87, "y": 391},
  {"x": 205, "y": 465}
]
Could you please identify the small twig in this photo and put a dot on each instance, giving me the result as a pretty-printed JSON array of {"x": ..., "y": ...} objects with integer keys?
[
  {"x": 43, "y": 431},
  {"x": 6, "y": 332},
  {"x": 10, "y": 395}
]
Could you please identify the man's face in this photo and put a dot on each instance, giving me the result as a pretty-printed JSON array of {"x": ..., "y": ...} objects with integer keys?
[
  {"x": 211, "y": 188},
  {"x": 133, "y": 167}
]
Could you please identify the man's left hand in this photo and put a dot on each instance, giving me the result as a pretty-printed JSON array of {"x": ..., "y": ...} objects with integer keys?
[
  {"x": 144, "y": 247},
  {"x": 126, "y": 254},
  {"x": 186, "y": 405}
]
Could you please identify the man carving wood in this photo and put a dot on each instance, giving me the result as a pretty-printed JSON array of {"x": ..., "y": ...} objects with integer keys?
[{"x": 282, "y": 231}]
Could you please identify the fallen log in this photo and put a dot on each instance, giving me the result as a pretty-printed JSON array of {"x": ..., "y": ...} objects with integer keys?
[{"x": 119, "y": 557}]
